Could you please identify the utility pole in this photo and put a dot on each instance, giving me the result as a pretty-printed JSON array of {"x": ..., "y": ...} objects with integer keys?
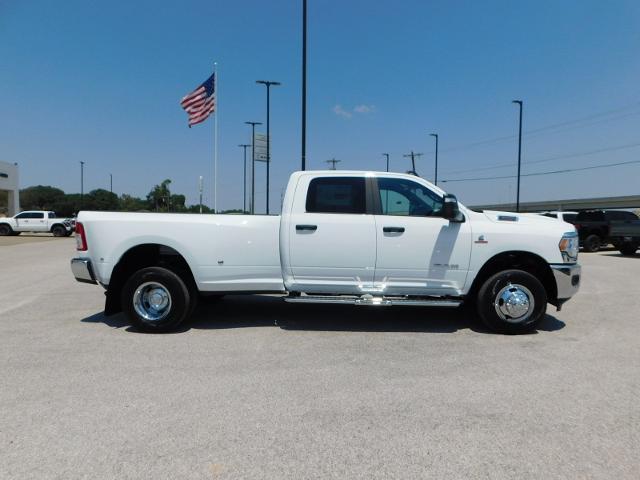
[
  {"x": 387, "y": 155},
  {"x": 253, "y": 164},
  {"x": 244, "y": 183},
  {"x": 413, "y": 156},
  {"x": 81, "y": 184},
  {"x": 519, "y": 102},
  {"x": 111, "y": 182},
  {"x": 333, "y": 163},
  {"x": 436, "y": 175},
  {"x": 304, "y": 85},
  {"x": 200, "y": 189},
  {"x": 268, "y": 84}
]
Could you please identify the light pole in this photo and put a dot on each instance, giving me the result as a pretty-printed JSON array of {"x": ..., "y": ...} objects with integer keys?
[
  {"x": 253, "y": 163},
  {"x": 111, "y": 182},
  {"x": 304, "y": 85},
  {"x": 244, "y": 188},
  {"x": 81, "y": 183},
  {"x": 436, "y": 137},
  {"x": 519, "y": 102},
  {"x": 200, "y": 190},
  {"x": 268, "y": 84},
  {"x": 387, "y": 155}
]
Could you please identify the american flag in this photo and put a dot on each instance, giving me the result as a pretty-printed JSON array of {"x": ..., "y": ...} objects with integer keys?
[{"x": 201, "y": 103}]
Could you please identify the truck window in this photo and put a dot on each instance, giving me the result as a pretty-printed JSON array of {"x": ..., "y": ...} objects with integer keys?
[
  {"x": 406, "y": 198},
  {"x": 336, "y": 195},
  {"x": 590, "y": 216},
  {"x": 550, "y": 215},
  {"x": 621, "y": 216},
  {"x": 36, "y": 215},
  {"x": 570, "y": 217}
]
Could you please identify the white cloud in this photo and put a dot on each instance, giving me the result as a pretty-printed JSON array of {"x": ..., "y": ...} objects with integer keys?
[
  {"x": 338, "y": 110},
  {"x": 364, "y": 108}
]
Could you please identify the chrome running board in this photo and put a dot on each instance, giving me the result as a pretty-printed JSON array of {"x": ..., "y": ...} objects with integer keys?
[{"x": 375, "y": 300}]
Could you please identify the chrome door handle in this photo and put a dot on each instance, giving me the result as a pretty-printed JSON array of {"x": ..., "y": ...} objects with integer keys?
[{"x": 393, "y": 229}]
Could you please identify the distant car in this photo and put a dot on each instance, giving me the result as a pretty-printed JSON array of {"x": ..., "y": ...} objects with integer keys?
[
  {"x": 36, "y": 221},
  {"x": 569, "y": 217},
  {"x": 601, "y": 227}
]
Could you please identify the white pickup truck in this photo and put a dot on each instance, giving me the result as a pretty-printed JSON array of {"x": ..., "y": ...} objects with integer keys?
[
  {"x": 362, "y": 238},
  {"x": 36, "y": 221}
]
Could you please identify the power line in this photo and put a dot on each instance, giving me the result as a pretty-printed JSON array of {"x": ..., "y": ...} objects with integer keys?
[
  {"x": 537, "y": 131},
  {"x": 536, "y": 174},
  {"x": 549, "y": 159}
]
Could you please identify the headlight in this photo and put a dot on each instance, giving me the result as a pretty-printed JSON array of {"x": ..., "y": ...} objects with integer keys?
[{"x": 569, "y": 247}]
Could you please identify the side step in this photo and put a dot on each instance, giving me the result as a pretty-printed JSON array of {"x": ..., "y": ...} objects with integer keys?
[{"x": 375, "y": 300}]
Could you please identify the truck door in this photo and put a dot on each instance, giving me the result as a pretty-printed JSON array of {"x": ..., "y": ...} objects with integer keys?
[
  {"x": 418, "y": 251},
  {"x": 38, "y": 223},
  {"x": 332, "y": 238}
]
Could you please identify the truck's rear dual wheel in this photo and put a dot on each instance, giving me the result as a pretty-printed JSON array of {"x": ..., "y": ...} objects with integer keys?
[
  {"x": 156, "y": 300},
  {"x": 512, "y": 301}
]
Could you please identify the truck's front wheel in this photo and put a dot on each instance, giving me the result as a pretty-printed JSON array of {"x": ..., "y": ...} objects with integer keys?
[
  {"x": 156, "y": 299},
  {"x": 5, "y": 230},
  {"x": 512, "y": 301},
  {"x": 58, "y": 231}
]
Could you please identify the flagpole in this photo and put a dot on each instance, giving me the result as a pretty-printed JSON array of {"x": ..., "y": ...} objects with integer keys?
[{"x": 215, "y": 138}]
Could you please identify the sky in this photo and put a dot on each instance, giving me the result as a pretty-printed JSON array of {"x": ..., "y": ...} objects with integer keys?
[{"x": 100, "y": 82}]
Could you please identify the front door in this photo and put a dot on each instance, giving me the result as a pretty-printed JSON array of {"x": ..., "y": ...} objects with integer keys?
[
  {"x": 418, "y": 251},
  {"x": 332, "y": 239}
]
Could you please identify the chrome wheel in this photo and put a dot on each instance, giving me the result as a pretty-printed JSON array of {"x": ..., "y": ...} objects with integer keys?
[
  {"x": 152, "y": 301},
  {"x": 514, "y": 303}
]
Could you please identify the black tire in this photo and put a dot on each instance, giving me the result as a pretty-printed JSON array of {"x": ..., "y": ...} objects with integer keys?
[
  {"x": 490, "y": 292},
  {"x": 58, "y": 231},
  {"x": 178, "y": 309},
  {"x": 628, "y": 248},
  {"x": 5, "y": 230},
  {"x": 592, "y": 243}
]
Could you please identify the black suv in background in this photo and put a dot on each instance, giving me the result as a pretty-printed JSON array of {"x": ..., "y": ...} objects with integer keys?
[{"x": 600, "y": 227}]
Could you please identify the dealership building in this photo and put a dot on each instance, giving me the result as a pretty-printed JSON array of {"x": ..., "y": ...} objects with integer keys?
[{"x": 9, "y": 188}]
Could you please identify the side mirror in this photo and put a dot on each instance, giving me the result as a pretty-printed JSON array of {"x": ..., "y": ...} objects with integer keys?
[{"x": 450, "y": 209}]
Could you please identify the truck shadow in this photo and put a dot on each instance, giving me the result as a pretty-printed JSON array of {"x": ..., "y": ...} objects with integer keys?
[
  {"x": 619, "y": 255},
  {"x": 264, "y": 311}
]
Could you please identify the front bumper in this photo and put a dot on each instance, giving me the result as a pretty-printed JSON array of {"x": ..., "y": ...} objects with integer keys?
[
  {"x": 567, "y": 280},
  {"x": 81, "y": 268}
]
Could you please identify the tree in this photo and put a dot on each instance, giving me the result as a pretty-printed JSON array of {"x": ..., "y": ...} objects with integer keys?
[
  {"x": 159, "y": 197},
  {"x": 129, "y": 203},
  {"x": 40, "y": 197},
  {"x": 101, "y": 200},
  {"x": 196, "y": 209},
  {"x": 177, "y": 203}
]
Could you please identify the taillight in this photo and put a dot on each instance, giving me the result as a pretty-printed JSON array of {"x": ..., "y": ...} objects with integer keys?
[{"x": 81, "y": 239}]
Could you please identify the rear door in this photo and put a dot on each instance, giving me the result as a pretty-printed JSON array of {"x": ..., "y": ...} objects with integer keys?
[
  {"x": 38, "y": 222},
  {"x": 418, "y": 251},
  {"x": 332, "y": 235}
]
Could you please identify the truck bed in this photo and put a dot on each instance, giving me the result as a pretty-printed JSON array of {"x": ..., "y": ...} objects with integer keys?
[{"x": 240, "y": 252}]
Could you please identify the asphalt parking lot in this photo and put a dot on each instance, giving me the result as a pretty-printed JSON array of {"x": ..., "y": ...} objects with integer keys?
[{"x": 255, "y": 388}]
